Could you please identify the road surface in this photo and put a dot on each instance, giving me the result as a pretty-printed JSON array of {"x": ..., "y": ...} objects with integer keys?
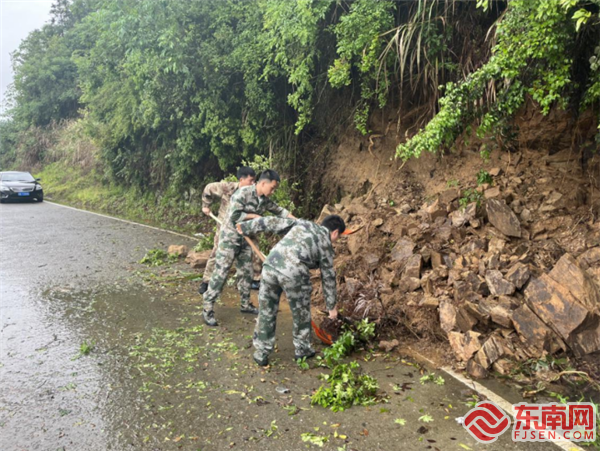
[{"x": 98, "y": 353}]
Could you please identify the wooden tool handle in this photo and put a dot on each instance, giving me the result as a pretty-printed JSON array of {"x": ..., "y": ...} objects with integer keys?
[{"x": 248, "y": 240}]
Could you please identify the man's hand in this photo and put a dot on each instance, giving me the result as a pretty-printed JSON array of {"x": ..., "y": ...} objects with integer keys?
[
  {"x": 250, "y": 216},
  {"x": 206, "y": 211},
  {"x": 333, "y": 313},
  {"x": 291, "y": 216},
  {"x": 239, "y": 229}
]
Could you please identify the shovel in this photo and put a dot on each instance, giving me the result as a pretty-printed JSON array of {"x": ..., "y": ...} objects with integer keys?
[
  {"x": 350, "y": 232},
  {"x": 320, "y": 333}
]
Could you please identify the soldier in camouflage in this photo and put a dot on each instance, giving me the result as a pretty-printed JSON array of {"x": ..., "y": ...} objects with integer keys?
[
  {"x": 221, "y": 192},
  {"x": 305, "y": 246},
  {"x": 247, "y": 203}
]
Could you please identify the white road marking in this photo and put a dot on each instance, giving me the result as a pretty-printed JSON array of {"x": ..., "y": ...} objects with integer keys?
[
  {"x": 123, "y": 220},
  {"x": 566, "y": 445}
]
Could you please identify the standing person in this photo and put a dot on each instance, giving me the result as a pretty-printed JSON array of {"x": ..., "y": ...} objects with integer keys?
[
  {"x": 249, "y": 202},
  {"x": 222, "y": 192},
  {"x": 305, "y": 246}
]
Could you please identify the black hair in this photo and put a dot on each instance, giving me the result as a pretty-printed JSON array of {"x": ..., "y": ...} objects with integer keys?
[
  {"x": 244, "y": 172},
  {"x": 333, "y": 223},
  {"x": 269, "y": 174}
]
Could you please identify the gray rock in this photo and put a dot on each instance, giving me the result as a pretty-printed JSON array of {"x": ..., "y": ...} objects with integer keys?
[
  {"x": 518, "y": 275},
  {"x": 497, "y": 285},
  {"x": 503, "y": 218}
]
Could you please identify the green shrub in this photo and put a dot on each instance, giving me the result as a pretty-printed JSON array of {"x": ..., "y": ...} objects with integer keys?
[
  {"x": 469, "y": 196},
  {"x": 484, "y": 176}
]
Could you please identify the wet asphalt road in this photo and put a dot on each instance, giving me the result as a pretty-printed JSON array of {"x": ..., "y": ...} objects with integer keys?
[{"x": 155, "y": 378}]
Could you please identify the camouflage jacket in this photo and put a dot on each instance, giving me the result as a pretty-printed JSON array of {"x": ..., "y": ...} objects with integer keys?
[
  {"x": 219, "y": 191},
  {"x": 246, "y": 200},
  {"x": 305, "y": 246}
]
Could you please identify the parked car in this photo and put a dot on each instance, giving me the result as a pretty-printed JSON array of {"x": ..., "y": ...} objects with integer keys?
[{"x": 20, "y": 186}]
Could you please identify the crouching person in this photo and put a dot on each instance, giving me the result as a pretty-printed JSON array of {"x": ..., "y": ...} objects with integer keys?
[{"x": 305, "y": 246}]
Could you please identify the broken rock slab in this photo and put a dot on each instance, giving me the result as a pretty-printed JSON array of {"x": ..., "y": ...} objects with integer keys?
[
  {"x": 326, "y": 211},
  {"x": 409, "y": 284},
  {"x": 462, "y": 216},
  {"x": 354, "y": 244},
  {"x": 492, "y": 193},
  {"x": 449, "y": 196},
  {"x": 475, "y": 370},
  {"x": 502, "y": 217},
  {"x": 402, "y": 250},
  {"x": 559, "y": 309},
  {"x": 447, "y": 317},
  {"x": 568, "y": 273},
  {"x": 502, "y": 316},
  {"x": 179, "y": 251},
  {"x": 587, "y": 338},
  {"x": 413, "y": 266},
  {"x": 198, "y": 260},
  {"x": 491, "y": 351},
  {"x": 518, "y": 275},
  {"x": 464, "y": 345},
  {"x": 591, "y": 257},
  {"x": 388, "y": 346},
  {"x": 434, "y": 210},
  {"x": 372, "y": 260},
  {"x": 464, "y": 320},
  {"x": 534, "y": 332},
  {"x": 497, "y": 284}
]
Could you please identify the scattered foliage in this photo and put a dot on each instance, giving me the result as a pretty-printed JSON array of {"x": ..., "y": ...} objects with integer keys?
[
  {"x": 346, "y": 387},
  {"x": 206, "y": 242},
  {"x": 313, "y": 439},
  {"x": 157, "y": 257},
  {"x": 431, "y": 377}
]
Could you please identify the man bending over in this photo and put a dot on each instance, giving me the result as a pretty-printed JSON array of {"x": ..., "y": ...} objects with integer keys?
[{"x": 305, "y": 246}]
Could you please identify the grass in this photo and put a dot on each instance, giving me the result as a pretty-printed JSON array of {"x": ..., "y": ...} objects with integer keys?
[{"x": 88, "y": 190}]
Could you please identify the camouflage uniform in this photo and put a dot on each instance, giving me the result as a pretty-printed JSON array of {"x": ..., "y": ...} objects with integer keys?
[
  {"x": 222, "y": 191},
  {"x": 232, "y": 245},
  {"x": 306, "y": 246}
]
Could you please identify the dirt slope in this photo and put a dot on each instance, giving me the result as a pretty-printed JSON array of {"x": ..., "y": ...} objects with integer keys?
[{"x": 487, "y": 272}]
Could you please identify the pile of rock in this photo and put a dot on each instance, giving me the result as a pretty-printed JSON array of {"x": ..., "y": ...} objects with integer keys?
[{"x": 507, "y": 278}]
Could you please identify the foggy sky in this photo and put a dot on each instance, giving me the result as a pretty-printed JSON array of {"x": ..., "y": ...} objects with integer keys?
[{"x": 17, "y": 19}]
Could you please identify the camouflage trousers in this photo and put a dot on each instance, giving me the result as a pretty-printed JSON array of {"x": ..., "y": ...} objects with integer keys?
[
  {"x": 232, "y": 247},
  {"x": 298, "y": 293},
  {"x": 210, "y": 264}
]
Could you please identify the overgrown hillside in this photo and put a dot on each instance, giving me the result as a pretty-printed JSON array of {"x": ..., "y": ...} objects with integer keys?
[{"x": 172, "y": 94}]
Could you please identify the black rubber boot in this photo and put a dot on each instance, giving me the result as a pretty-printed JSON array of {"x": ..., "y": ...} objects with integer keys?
[
  {"x": 308, "y": 355},
  {"x": 209, "y": 318},
  {"x": 250, "y": 309},
  {"x": 263, "y": 362},
  {"x": 255, "y": 285}
]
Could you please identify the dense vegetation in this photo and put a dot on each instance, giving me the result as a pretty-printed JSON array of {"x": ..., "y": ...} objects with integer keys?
[{"x": 170, "y": 93}]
